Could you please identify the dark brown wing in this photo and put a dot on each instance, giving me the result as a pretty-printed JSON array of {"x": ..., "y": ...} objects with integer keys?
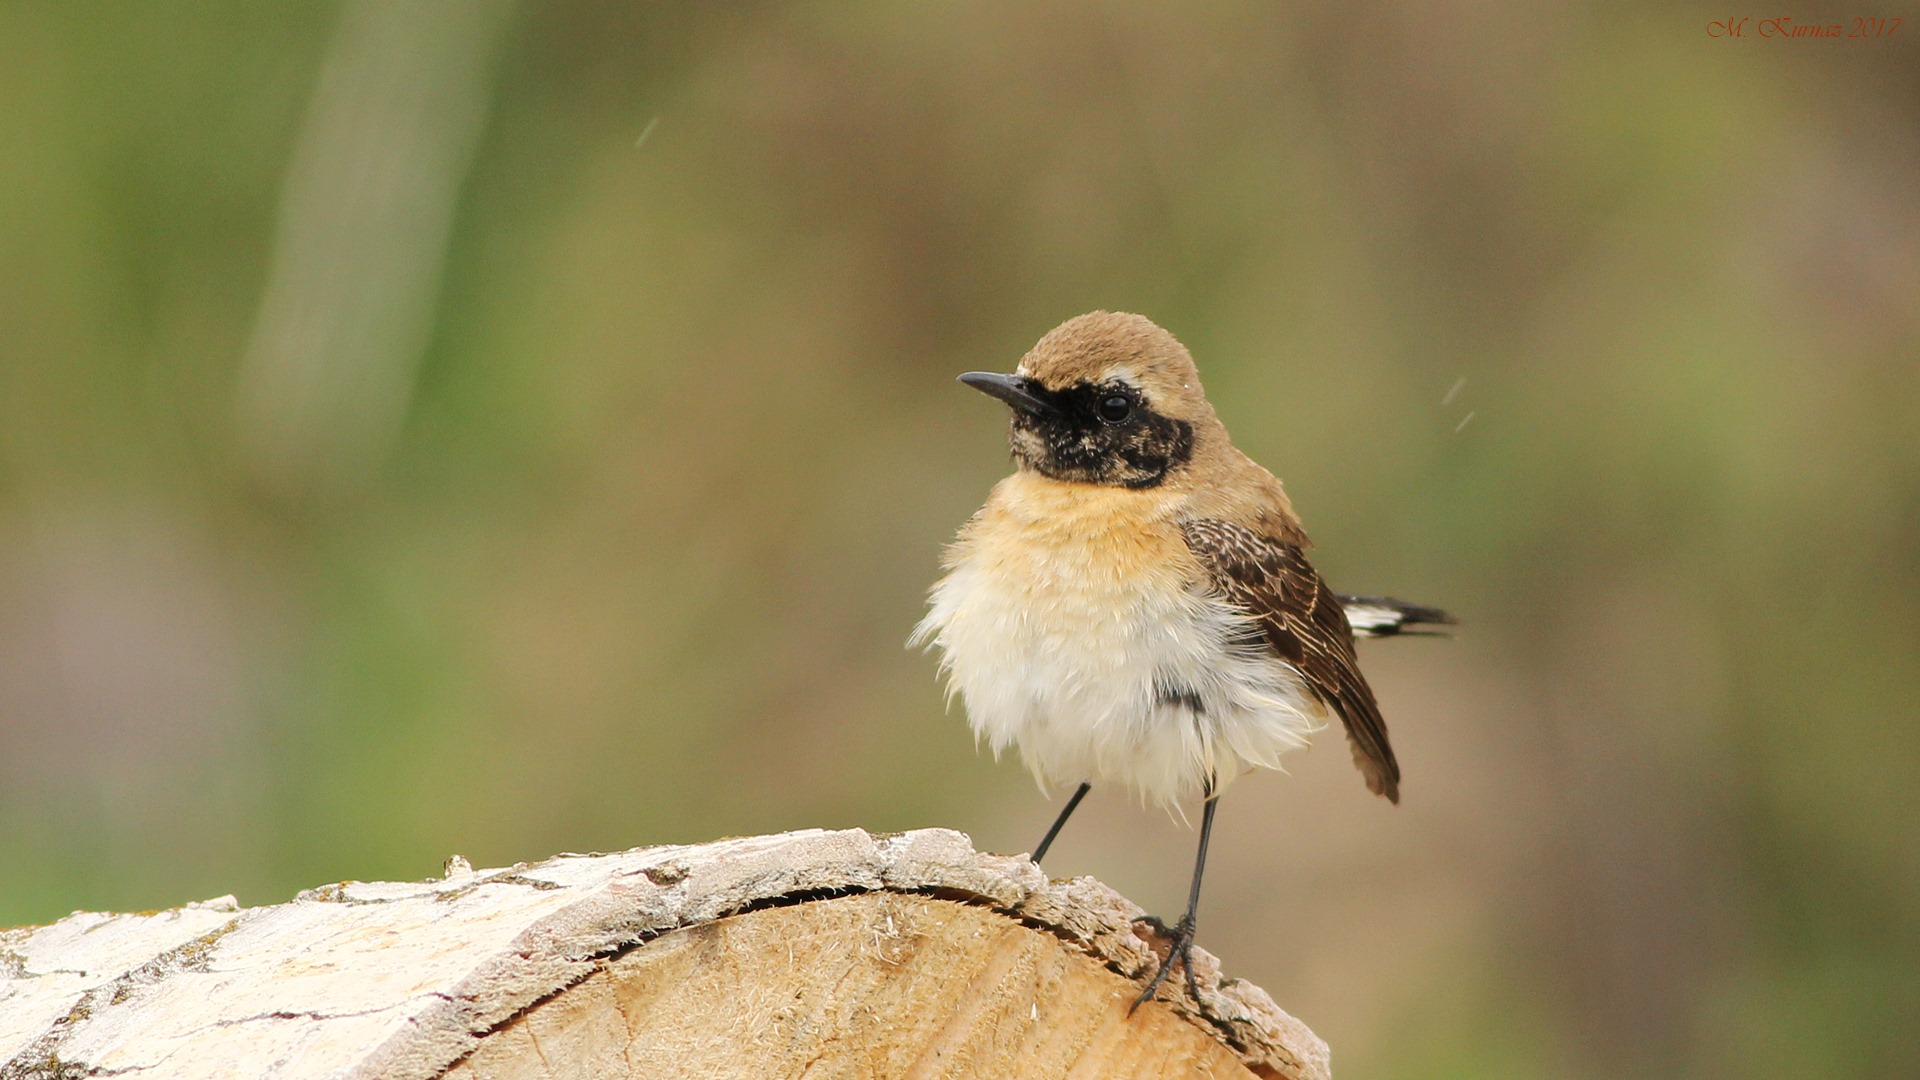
[{"x": 1303, "y": 622}]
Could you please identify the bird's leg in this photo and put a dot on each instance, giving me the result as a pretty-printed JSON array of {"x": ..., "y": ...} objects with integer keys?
[
  {"x": 1047, "y": 840},
  {"x": 1180, "y": 950}
]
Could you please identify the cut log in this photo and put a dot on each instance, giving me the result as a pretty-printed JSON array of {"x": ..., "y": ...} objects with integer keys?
[{"x": 823, "y": 954}]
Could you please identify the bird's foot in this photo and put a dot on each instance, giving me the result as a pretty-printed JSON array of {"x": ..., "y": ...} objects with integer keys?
[
  {"x": 1152, "y": 922},
  {"x": 1179, "y": 951}
]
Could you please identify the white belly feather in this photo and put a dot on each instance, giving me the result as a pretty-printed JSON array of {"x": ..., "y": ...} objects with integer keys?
[{"x": 1093, "y": 672}]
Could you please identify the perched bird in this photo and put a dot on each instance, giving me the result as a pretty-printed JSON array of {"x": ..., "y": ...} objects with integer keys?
[{"x": 1134, "y": 605}]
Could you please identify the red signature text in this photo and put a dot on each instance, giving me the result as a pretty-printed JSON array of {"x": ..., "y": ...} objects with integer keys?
[{"x": 1784, "y": 28}]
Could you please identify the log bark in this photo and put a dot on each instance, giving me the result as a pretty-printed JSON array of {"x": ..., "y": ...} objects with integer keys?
[{"x": 817, "y": 954}]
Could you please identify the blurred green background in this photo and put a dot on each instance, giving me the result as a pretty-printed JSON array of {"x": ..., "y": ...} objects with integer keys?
[{"x": 433, "y": 427}]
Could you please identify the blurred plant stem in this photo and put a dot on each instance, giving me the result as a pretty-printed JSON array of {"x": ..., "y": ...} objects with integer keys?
[{"x": 361, "y": 240}]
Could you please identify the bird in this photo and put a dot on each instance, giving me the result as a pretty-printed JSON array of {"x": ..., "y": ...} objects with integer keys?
[{"x": 1133, "y": 605}]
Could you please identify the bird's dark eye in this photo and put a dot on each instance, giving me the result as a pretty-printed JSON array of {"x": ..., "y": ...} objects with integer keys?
[{"x": 1115, "y": 408}]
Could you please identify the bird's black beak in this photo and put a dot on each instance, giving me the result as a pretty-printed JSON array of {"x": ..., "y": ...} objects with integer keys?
[{"x": 1012, "y": 389}]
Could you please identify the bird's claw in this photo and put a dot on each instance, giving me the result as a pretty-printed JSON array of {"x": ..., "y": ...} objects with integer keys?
[
  {"x": 1179, "y": 951},
  {"x": 1160, "y": 929}
]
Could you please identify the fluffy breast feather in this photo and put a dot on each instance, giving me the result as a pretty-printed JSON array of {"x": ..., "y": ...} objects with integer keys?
[{"x": 1078, "y": 627}]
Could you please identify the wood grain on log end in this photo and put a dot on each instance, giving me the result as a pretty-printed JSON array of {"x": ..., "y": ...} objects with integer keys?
[{"x": 823, "y": 953}]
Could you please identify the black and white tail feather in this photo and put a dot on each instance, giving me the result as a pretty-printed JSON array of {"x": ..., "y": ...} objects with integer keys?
[{"x": 1383, "y": 616}]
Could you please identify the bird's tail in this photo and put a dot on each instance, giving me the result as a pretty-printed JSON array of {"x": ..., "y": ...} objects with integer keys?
[{"x": 1383, "y": 616}]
